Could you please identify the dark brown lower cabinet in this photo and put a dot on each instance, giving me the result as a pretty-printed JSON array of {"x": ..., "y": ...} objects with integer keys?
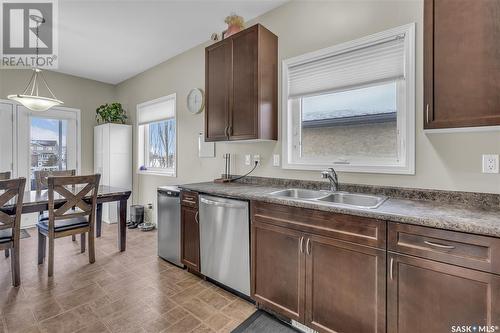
[
  {"x": 427, "y": 296},
  {"x": 327, "y": 284},
  {"x": 278, "y": 269},
  {"x": 190, "y": 234},
  {"x": 345, "y": 286}
]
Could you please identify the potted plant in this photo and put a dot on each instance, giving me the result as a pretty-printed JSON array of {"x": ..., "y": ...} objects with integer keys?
[{"x": 110, "y": 113}]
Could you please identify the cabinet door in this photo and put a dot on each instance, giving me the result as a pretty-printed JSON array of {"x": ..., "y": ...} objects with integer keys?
[
  {"x": 218, "y": 84},
  {"x": 244, "y": 106},
  {"x": 190, "y": 250},
  {"x": 426, "y": 296},
  {"x": 345, "y": 286},
  {"x": 462, "y": 62},
  {"x": 278, "y": 269}
]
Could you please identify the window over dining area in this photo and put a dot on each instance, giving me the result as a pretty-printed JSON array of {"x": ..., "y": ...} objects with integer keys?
[
  {"x": 351, "y": 106},
  {"x": 157, "y": 136}
]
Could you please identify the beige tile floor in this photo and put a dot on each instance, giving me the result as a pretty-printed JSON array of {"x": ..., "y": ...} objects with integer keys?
[{"x": 133, "y": 291}]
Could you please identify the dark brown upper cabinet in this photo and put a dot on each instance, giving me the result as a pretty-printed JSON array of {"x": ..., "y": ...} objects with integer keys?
[
  {"x": 461, "y": 63},
  {"x": 241, "y": 83}
]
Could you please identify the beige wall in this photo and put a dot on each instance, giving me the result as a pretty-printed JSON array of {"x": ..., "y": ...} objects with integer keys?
[
  {"x": 76, "y": 92},
  {"x": 443, "y": 161}
]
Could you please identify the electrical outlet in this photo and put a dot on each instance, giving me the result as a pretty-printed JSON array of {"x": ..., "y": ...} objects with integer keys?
[
  {"x": 248, "y": 159},
  {"x": 276, "y": 160},
  {"x": 256, "y": 158},
  {"x": 490, "y": 163}
]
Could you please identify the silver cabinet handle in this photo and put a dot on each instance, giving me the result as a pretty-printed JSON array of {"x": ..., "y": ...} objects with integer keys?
[
  {"x": 441, "y": 246},
  {"x": 427, "y": 113},
  {"x": 307, "y": 246},
  {"x": 390, "y": 269},
  {"x": 196, "y": 217},
  {"x": 220, "y": 204},
  {"x": 301, "y": 243}
]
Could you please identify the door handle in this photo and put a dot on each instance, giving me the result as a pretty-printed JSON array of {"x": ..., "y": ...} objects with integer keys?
[
  {"x": 427, "y": 112},
  {"x": 390, "y": 269},
  {"x": 301, "y": 243},
  {"x": 196, "y": 217},
  {"x": 221, "y": 204},
  {"x": 307, "y": 246},
  {"x": 441, "y": 246}
]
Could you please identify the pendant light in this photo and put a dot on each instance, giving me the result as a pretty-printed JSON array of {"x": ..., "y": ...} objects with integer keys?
[{"x": 30, "y": 97}]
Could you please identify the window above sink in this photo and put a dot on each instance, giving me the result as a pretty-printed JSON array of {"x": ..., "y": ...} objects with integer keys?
[{"x": 351, "y": 106}]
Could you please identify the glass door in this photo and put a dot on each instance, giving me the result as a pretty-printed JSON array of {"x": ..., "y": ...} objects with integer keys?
[
  {"x": 48, "y": 145},
  {"x": 46, "y": 141}
]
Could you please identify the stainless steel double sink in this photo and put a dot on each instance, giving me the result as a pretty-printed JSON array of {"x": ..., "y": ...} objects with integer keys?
[{"x": 343, "y": 199}]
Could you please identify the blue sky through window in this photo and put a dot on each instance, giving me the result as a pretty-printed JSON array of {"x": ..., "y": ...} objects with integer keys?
[
  {"x": 357, "y": 102},
  {"x": 162, "y": 141},
  {"x": 47, "y": 129}
]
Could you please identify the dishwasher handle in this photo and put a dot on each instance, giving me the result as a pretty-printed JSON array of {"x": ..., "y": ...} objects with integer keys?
[{"x": 221, "y": 204}]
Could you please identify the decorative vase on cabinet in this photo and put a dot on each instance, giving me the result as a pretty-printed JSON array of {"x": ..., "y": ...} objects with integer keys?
[{"x": 113, "y": 160}]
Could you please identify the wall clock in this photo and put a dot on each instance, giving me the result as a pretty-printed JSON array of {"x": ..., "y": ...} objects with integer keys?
[{"x": 196, "y": 100}]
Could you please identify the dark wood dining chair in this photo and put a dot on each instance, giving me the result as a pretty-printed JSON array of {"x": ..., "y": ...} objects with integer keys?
[
  {"x": 10, "y": 222},
  {"x": 4, "y": 176},
  {"x": 42, "y": 184},
  {"x": 76, "y": 216}
]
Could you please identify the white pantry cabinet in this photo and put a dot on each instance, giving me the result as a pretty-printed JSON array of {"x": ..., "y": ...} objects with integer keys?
[{"x": 113, "y": 160}]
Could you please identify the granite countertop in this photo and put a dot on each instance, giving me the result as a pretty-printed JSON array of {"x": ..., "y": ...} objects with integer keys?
[{"x": 437, "y": 214}]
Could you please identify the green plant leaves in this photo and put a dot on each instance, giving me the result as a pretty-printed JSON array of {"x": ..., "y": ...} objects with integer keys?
[{"x": 110, "y": 113}]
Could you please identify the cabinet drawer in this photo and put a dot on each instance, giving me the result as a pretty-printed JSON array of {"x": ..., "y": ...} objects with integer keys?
[
  {"x": 467, "y": 250},
  {"x": 355, "y": 229},
  {"x": 189, "y": 199}
]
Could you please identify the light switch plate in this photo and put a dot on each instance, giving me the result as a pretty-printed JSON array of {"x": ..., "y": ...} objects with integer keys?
[
  {"x": 276, "y": 160},
  {"x": 490, "y": 163},
  {"x": 248, "y": 159}
]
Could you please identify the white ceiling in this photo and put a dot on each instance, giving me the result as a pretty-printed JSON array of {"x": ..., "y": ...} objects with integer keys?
[{"x": 111, "y": 41}]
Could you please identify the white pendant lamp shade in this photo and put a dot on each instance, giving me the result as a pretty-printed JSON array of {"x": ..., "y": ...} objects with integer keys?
[
  {"x": 35, "y": 103},
  {"x": 30, "y": 98}
]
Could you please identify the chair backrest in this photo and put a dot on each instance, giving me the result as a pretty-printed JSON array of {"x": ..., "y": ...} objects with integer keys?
[
  {"x": 41, "y": 177},
  {"x": 83, "y": 195},
  {"x": 5, "y": 175},
  {"x": 11, "y": 219}
]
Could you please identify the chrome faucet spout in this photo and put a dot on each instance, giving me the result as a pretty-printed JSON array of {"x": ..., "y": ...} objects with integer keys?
[{"x": 331, "y": 175}]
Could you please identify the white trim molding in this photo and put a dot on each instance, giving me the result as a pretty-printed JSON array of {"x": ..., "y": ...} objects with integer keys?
[{"x": 405, "y": 114}]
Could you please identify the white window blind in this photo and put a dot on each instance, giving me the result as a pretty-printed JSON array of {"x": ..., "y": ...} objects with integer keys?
[
  {"x": 157, "y": 110},
  {"x": 376, "y": 62}
]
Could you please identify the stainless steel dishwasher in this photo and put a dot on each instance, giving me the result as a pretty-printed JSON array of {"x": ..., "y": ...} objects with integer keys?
[
  {"x": 169, "y": 224},
  {"x": 225, "y": 242}
]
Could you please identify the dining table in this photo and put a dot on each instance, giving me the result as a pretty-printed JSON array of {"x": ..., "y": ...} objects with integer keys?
[{"x": 38, "y": 201}]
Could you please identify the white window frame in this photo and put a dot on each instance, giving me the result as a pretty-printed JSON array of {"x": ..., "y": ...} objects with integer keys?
[
  {"x": 405, "y": 116},
  {"x": 21, "y": 120},
  {"x": 143, "y": 141}
]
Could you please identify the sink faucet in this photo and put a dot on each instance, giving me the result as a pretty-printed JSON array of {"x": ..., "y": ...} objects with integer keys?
[{"x": 331, "y": 175}]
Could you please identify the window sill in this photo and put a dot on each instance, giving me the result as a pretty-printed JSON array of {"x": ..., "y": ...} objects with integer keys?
[
  {"x": 157, "y": 173},
  {"x": 374, "y": 169}
]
